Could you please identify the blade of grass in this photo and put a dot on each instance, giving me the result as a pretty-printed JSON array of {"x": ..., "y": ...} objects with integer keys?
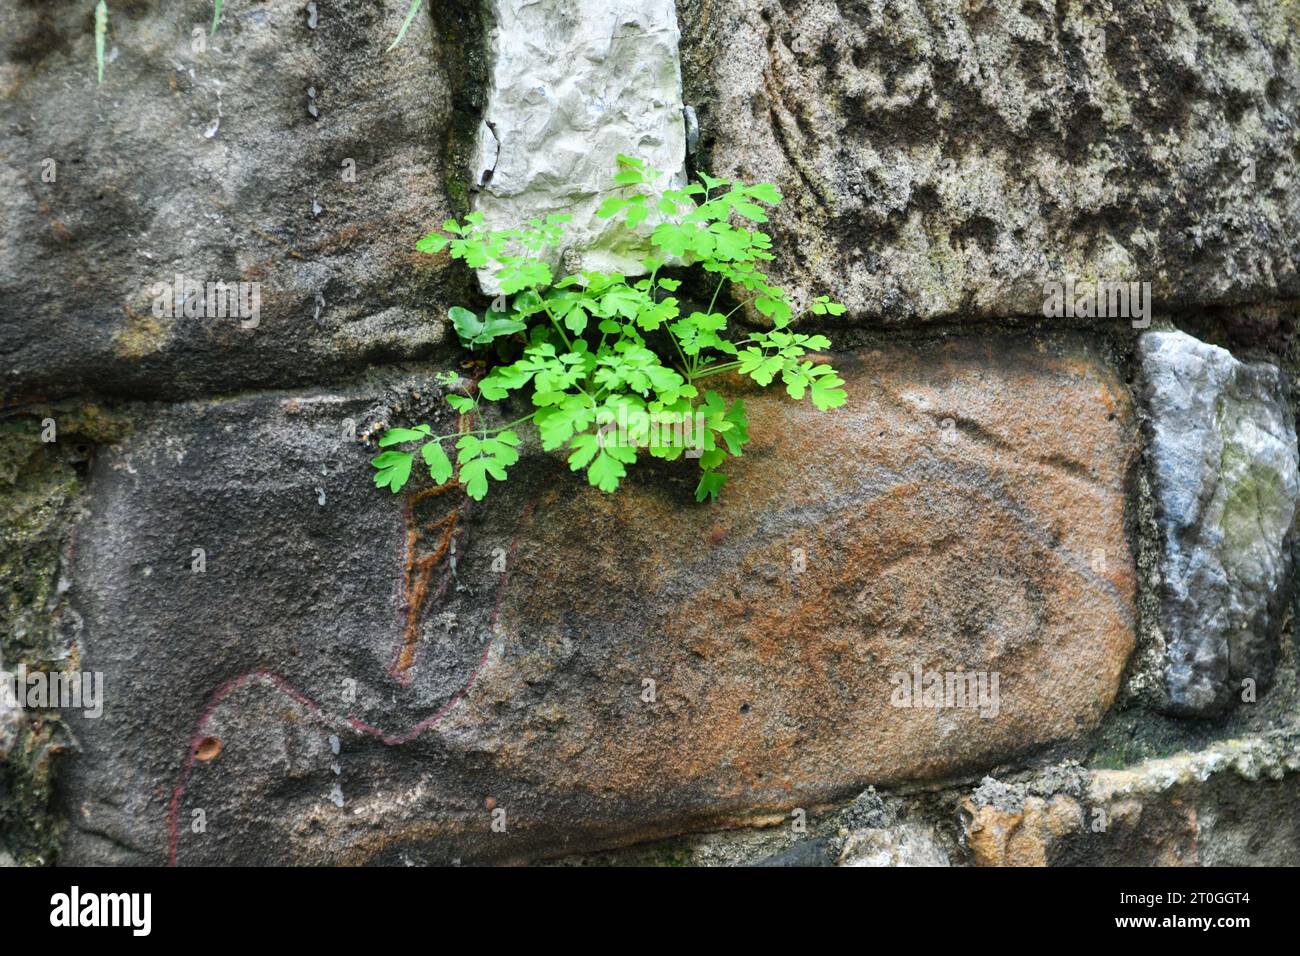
[
  {"x": 216, "y": 14},
  {"x": 101, "y": 31},
  {"x": 410, "y": 15}
]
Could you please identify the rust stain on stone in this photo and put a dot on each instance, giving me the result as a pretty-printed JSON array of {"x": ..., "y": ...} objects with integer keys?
[
  {"x": 995, "y": 548},
  {"x": 1022, "y": 837},
  {"x": 418, "y": 569}
]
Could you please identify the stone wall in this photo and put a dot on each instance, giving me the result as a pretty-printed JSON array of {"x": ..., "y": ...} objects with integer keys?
[{"x": 1096, "y": 510}]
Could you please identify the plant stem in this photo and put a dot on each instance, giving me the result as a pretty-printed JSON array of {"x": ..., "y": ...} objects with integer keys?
[
  {"x": 715, "y": 295},
  {"x": 686, "y": 366},
  {"x": 568, "y": 343},
  {"x": 478, "y": 431},
  {"x": 715, "y": 370},
  {"x": 518, "y": 421}
]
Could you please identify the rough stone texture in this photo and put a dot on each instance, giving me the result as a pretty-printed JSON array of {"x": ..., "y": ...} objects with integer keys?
[
  {"x": 1224, "y": 478},
  {"x": 1235, "y": 803},
  {"x": 946, "y": 157},
  {"x": 571, "y": 86},
  {"x": 908, "y": 844},
  {"x": 1020, "y": 837},
  {"x": 866, "y": 831},
  {"x": 356, "y": 678},
  {"x": 1230, "y": 802},
  {"x": 11, "y": 717},
  {"x": 996, "y": 470},
  {"x": 225, "y": 164},
  {"x": 40, "y": 485}
]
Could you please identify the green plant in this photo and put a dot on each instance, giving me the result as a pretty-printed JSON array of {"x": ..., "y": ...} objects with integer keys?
[{"x": 589, "y": 347}]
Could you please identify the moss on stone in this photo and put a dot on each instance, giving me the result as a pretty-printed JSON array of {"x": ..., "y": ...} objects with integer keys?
[
  {"x": 462, "y": 46},
  {"x": 1254, "y": 493},
  {"x": 39, "y": 482}
]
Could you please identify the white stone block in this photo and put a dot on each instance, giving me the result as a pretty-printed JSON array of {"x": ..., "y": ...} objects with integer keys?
[{"x": 572, "y": 84}]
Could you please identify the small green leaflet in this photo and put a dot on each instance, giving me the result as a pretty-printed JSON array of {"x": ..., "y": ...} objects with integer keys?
[
  {"x": 394, "y": 467},
  {"x": 760, "y": 366},
  {"x": 611, "y": 207},
  {"x": 826, "y": 391},
  {"x": 516, "y": 276},
  {"x": 822, "y": 305},
  {"x": 765, "y": 192},
  {"x": 603, "y": 460},
  {"x": 474, "y": 476},
  {"x": 711, "y": 483},
  {"x": 557, "y": 423},
  {"x": 396, "y": 436},
  {"x": 776, "y": 309},
  {"x": 503, "y": 379},
  {"x": 482, "y": 457},
  {"x": 432, "y": 243},
  {"x": 474, "y": 331},
  {"x": 439, "y": 465},
  {"x": 738, "y": 434}
]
